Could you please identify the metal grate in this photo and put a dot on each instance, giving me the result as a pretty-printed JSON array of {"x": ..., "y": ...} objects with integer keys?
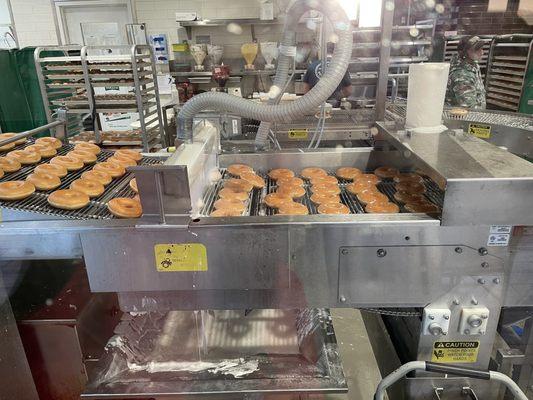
[
  {"x": 97, "y": 207},
  {"x": 398, "y": 112},
  {"x": 257, "y": 207}
]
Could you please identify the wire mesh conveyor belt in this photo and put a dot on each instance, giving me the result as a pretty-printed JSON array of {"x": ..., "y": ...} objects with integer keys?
[
  {"x": 257, "y": 207},
  {"x": 97, "y": 207},
  {"x": 398, "y": 111}
]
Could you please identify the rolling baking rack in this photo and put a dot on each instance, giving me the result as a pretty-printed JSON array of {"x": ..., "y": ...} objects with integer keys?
[
  {"x": 77, "y": 77},
  {"x": 97, "y": 207},
  {"x": 506, "y": 71}
]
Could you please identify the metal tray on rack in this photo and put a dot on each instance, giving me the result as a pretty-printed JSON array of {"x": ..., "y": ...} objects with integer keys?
[
  {"x": 501, "y": 104},
  {"x": 509, "y": 58},
  {"x": 507, "y": 71},
  {"x": 494, "y": 89},
  {"x": 122, "y": 75},
  {"x": 66, "y": 85},
  {"x": 508, "y": 65},
  {"x": 505, "y": 85},
  {"x": 128, "y": 83},
  {"x": 508, "y": 99},
  {"x": 505, "y": 78},
  {"x": 64, "y": 67}
]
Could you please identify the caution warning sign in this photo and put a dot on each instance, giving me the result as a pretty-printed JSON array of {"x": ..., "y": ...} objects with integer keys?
[
  {"x": 455, "y": 352},
  {"x": 298, "y": 134},
  {"x": 481, "y": 131},
  {"x": 188, "y": 257}
]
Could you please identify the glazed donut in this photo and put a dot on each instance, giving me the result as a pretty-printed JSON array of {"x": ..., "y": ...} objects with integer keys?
[
  {"x": 382, "y": 208},
  {"x": 311, "y": 172},
  {"x": 16, "y": 190},
  {"x": 280, "y": 173},
  {"x": 134, "y": 155},
  {"x": 294, "y": 192},
  {"x": 411, "y": 187},
  {"x": 327, "y": 179},
  {"x": 44, "y": 181},
  {"x": 7, "y": 147},
  {"x": 122, "y": 160},
  {"x": 323, "y": 198},
  {"x": 112, "y": 168},
  {"x": 43, "y": 150},
  {"x": 333, "y": 208},
  {"x": 276, "y": 200},
  {"x": 238, "y": 185},
  {"x": 25, "y": 157},
  {"x": 239, "y": 169},
  {"x": 386, "y": 172},
  {"x": 70, "y": 163},
  {"x": 50, "y": 141},
  {"x": 228, "y": 204},
  {"x": 87, "y": 186},
  {"x": 9, "y": 164},
  {"x": 348, "y": 173},
  {"x": 68, "y": 199},
  {"x": 133, "y": 185},
  {"x": 360, "y": 186},
  {"x": 408, "y": 177},
  {"x": 372, "y": 196},
  {"x": 222, "y": 212},
  {"x": 426, "y": 208},
  {"x": 84, "y": 156},
  {"x": 406, "y": 197},
  {"x": 293, "y": 209},
  {"x": 54, "y": 169},
  {"x": 255, "y": 180},
  {"x": 100, "y": 176},
  {"x": 293, "y": 181},
  {"x": 123, "y": 207},
  {"x": 374, "y": 179},
  {"x": 458, "y": 112},
  {"x": 91, "y": 147},
  {"x": 229, "y": 194},
  {"x": 326, "y": 188},
  {"x": 9, "y": 135}
]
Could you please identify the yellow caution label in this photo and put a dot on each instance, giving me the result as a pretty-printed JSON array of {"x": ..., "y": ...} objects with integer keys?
[
  {"x": 480, "y": 130},
  {"x": 298, "y": 134},
  {"x": 455, "y": 352},
  {"x": 187, "y": 257}
]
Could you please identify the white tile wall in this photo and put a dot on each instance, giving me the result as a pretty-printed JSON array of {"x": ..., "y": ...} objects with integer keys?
[{"x": 34, "y": 22}]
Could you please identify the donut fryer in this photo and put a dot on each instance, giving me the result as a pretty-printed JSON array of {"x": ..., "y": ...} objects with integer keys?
[{"x": 473, "y": 258}]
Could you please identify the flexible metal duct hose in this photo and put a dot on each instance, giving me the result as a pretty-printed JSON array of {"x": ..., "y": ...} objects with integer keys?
[{"x": 284, "y": 112}]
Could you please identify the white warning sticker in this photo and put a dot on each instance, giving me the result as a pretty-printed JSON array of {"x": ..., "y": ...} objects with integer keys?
[
  {"x": 498, "y": 239},
  {"x": 500, "y": 229}
]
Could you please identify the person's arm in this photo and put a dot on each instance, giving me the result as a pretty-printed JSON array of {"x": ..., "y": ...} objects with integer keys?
[
  {"x": 463, "y": 86},
  {"x": 306, "y": 80},
  {"x": 346, "y": 85}
]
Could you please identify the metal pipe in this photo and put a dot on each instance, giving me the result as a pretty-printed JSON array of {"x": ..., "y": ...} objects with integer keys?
[
  {"x": 31, "y": 132},
  {"x": 387, "y": 15}
]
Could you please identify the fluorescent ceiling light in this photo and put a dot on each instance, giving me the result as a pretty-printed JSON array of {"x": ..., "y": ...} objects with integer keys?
[{"x": 370, "y": 13}]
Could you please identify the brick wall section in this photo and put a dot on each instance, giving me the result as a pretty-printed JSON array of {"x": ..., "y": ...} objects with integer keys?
[
  {"x": 472, "y": 17},
  {"x": 34, "y": 22}
]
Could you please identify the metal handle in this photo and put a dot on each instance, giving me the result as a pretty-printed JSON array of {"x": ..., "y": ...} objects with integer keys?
[
  {"x": 447, "y": 369},
  {"x": 32, "y": 132}
]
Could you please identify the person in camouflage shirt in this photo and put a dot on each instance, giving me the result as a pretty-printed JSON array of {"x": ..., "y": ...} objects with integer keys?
[{"x": 465, "y": 84}]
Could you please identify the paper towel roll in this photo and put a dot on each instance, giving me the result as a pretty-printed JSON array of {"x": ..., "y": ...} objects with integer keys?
[{"x": 426, "y": 95}]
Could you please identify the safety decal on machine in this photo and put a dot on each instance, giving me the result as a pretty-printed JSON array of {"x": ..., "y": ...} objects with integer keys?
[
  {"x": 455, "y": 352},
  {"x": 499, "y": 235},
  {"x": 298, "y": 134},
  {"x": 186, "y": 257},
  {"x": 481, "y": 131}
]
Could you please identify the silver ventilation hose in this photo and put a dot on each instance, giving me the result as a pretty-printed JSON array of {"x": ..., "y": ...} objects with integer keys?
[{"x": 282, "y": 113}]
